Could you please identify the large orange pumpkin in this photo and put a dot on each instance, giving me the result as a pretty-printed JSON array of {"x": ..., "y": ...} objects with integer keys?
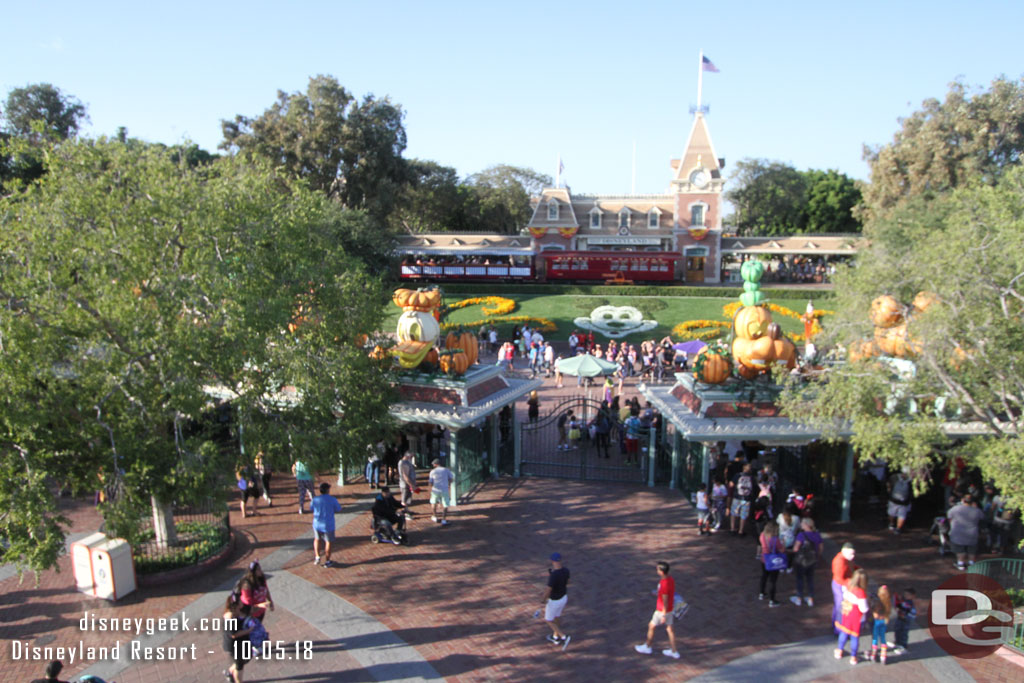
[
  {"x": 454, "y": 362},
  {"x": 861, "y": 350},
  {"x": 431, "y": 358},
  {"x": 783, "y": 350},
  {"x": 886, "y": 311},
  {"x": 711, "y": 367},
  {"x": 451, "y": 341},
  {"x": 468, "y": 344},
  {"x": 893, "y": 340},
  {"x": 751, "y": 322}
]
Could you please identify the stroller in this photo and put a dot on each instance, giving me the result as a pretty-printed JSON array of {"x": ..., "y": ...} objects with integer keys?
[
  {"x": 940, "y": 528},
  {"x": 383, "y": 531}
]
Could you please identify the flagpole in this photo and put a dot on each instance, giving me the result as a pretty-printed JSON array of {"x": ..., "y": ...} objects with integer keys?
[
  {"x": 558, "y": 172},
  {"x": 700, "y": 77},
  {"x": 633, "y": 185}
]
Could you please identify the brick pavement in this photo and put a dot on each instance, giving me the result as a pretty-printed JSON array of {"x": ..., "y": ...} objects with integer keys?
[{"x": 464, "y": 595}]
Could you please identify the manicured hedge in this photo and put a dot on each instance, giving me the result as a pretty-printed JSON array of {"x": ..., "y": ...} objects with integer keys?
[{"x": 628, "y": 290}]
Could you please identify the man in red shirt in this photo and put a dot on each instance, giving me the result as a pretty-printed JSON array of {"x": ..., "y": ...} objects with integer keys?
[
  {"x": 666, "y": 593},
  {"x": 842, "y": 569}
]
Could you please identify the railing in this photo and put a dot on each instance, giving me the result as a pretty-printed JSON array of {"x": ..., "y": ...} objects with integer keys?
[{"x": 1009, "y": 573}]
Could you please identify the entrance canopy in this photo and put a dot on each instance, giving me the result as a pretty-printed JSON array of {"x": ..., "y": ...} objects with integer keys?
[{"x": 585, "y": 365}]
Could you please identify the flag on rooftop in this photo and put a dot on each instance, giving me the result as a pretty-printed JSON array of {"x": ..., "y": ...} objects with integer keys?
[{"x": 708, "y": 66}]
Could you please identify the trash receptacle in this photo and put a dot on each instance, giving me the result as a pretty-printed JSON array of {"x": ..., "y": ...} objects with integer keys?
[{"x": 103, "y": 566}]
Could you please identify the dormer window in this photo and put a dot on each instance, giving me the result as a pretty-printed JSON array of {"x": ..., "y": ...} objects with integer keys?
[
  {"x": 654, "y": 218},
  {"x": 553, "y": 210},
  {"x": 624, "y": 218},
  {"x": 595, "y": 218}
]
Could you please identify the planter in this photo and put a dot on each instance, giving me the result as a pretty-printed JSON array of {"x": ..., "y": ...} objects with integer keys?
[{"x": 185, "y": 573}]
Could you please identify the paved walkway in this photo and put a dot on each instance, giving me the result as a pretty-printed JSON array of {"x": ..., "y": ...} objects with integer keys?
[{"x": 457, "y": 603}]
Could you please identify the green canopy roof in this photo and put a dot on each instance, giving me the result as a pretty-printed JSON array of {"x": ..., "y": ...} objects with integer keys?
[{"x": 585, "y": 366}]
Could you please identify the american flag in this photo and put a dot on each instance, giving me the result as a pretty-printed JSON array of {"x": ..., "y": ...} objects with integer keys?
[{"x": 708, "y": 66}]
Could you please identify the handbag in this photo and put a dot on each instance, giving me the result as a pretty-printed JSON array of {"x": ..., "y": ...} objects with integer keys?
[{"x": 774, "y": 561}]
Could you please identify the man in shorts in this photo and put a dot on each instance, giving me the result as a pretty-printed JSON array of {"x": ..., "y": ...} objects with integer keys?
[
  {"x": 743, "y": 493},
  {"x": 666, "y": 593},
  {"x": 555, "y": 597},
  {"x": 407, "y": 480},
  {"x": 964, "y": 525},
  {"x": 324, "y": 508},
  {"x": 441, "y": 479},
  {"x": 899, "y": 501},
  {"x": 304, "y": 482}
]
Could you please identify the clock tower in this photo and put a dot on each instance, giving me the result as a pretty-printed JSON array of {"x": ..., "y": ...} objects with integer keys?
[{"x": 697, "y": 185}]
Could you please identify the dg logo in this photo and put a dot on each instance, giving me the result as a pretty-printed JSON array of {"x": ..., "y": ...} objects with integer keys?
[{"x": 970, "y": 616}]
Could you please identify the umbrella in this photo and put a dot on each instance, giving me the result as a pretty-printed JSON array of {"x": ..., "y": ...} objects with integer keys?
[
  {"x": 690, "y": 347},
  {"x": 585, "y": 366}
]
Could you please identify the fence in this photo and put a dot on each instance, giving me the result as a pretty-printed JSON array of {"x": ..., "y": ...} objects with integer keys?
[
  {"x": 202, "y": 531},
  {"x": 1009, "y": 573}
]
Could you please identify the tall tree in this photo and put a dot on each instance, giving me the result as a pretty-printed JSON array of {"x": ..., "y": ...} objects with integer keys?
[
  {"x": 769, "y": 197},
  {"x": 435, "y": 200},
  {"x": 503, "y": 194},
  {"x": 135, "y": 288},
  {"x": 965, "y": 371},
  {"x": 831, "y": 198},
  {"x": 42, "y": 110},
  {"x": 346, "y": 149},
  {"x": 968, "y": 137}
]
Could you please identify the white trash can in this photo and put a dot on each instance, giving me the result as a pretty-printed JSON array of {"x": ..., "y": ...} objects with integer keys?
[{"x": 103, "y": 566}]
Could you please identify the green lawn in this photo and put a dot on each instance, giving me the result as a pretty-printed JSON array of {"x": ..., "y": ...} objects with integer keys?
[{"x": 668, "y": 311}]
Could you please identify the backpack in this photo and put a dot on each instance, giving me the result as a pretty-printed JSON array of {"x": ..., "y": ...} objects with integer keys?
[
  {"x": 744, "y": 485},
  {"x": 258, "y": 635},
  {"x": 807, "y": 555}
]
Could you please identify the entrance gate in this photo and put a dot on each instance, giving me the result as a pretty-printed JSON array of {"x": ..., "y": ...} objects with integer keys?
[{"x": 541, "y": 455}]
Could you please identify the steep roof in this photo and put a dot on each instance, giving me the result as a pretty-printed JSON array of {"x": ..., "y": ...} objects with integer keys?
[{"x": 698, "y": 152}]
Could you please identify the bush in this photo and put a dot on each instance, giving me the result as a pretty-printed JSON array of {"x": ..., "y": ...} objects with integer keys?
[{"x": 197, "y": 541}]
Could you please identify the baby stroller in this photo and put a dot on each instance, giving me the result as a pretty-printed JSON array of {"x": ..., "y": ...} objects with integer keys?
[
  {"x": 383, "y": 531},
  {"x": 940, "y": 528}
]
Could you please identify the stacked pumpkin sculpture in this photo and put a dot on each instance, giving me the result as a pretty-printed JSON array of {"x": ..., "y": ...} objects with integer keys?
[
  {"x": 888, "y": 316},
  {"x": 758, "y": 343},
  {"x": 713, "y": 364},
  {"x": 418, "y": 331}
]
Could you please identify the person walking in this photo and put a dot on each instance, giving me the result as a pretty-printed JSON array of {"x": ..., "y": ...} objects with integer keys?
[
  {"x": 806, "y": 554},
  {"x": 254, "y": 591},
  {"x": 236, "y": 632},
  {"x": 407, "y": 481},
  {"x": 533, "y": 406},
  {"x": 304, "y": 482},
  {"x": 249, "y": 485},
  {"x": 842, "y": 569},
  {"x": 264, "y": 471},
  {"x": 771, "y": 549},
  {"x": 374, "y": 456},
  {"x": 964, "y": 520},
  {"x": 441, "y": 479},
  {"x": 900, "y": 495},
  {"x": 324, "y": 507},
  {"x": 555, "y": 597},
  {"x": 666, "y": 593}
]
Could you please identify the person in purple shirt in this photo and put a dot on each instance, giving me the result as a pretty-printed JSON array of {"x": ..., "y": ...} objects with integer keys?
[{"x": 324, "y": 508}]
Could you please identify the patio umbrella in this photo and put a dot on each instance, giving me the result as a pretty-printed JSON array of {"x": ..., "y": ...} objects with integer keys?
[
  {"x": 585, "y": 366},
  {"x": 690, "y": 347}
]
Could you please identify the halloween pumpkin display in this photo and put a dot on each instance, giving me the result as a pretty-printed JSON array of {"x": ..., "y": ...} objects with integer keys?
[
  {"x": 752, "y": 349},
  {"x": 886, "y": 311},
  {"x": 454, "y": 362},
  {"x": 783, "y": 350},
  {"x": 713, "y": 364},
  {"x": 418, "y": 329},
  {"x": 891, "y": 337},
  {"x": 751, "y": 272}
]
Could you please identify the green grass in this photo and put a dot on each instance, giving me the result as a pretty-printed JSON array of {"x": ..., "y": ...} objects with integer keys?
[{"x": 563, "y": 309}]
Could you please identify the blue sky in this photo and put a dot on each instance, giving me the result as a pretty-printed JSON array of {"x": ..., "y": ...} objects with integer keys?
[{"x": 483, "y": 83}]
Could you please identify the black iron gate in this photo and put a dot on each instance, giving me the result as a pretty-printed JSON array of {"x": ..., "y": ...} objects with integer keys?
[{"x": 546, "y": 454}]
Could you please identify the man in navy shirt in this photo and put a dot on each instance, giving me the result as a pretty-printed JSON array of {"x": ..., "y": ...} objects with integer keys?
[
  {"x": 555, "y": 597},
  {"x": 324, "y": 508}
]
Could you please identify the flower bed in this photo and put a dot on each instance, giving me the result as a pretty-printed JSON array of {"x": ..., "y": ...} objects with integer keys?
[{"x": 197, "y": 541}]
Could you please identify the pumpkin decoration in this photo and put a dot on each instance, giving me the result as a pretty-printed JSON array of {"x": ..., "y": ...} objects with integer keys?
[
  {"x": 451, "y": 341},
  {"x": 783, "y": 350},
  {"x": 751, "y": 348},
  {"x": 431, "y": 359},
  {"x": 418, "y": 329},
  {"x": 886, "y": 311},
  {"x": 861, "y": 350},
  {"x": 470, "y": 346},
  {"x": 454, "y": 362},
  {"x": 751, "y": 322},
  {"x": 893, "y": 340},
  {"x": 417, "y": 299},
  {"x": 713, "y": 364}
]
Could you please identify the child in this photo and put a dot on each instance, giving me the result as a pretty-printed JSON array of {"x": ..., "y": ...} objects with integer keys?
[
  {"x": 881, "y": 609},
  {"x": 703, "y": 513},
  {"x": 905, "y": 613},
  {"x": 574, "y": 432},
  {"x": 719, "y": 495},
  {"x": 855, "y": 604}
]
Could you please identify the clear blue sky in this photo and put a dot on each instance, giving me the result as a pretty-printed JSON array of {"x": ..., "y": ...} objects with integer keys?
[{"x": 484, "y": 83}]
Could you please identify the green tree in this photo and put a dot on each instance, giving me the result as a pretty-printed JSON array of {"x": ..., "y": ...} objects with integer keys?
[
  {"x": 831, "y": 198},
  {"x": 969, "y": 137},
  {"x": 25, "y": 108},
  {"x": 346, "y": 149},
  {"x": 435, "y": 200},
  {"x": 769, "y": 196},
  {"x": 136, "y": 287},
  {"x": 966, "y": 375},
  {"x": 503, "y": 197},
  {"x": 31, "y": 116}
]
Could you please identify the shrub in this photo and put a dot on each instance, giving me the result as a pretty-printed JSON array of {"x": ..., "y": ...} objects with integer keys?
[{"x": 197, "y": 541}]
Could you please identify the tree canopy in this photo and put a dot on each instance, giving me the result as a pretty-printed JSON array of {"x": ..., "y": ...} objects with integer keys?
[
  {"x": 968, "y": 137},
  {"x": 348, "y": 149},
  {"x": 60, "y": 115},
  {"x": 139, "y": 291},
  {"x": 962, "y": 394},
  {"x": 774, "y": 198}
]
